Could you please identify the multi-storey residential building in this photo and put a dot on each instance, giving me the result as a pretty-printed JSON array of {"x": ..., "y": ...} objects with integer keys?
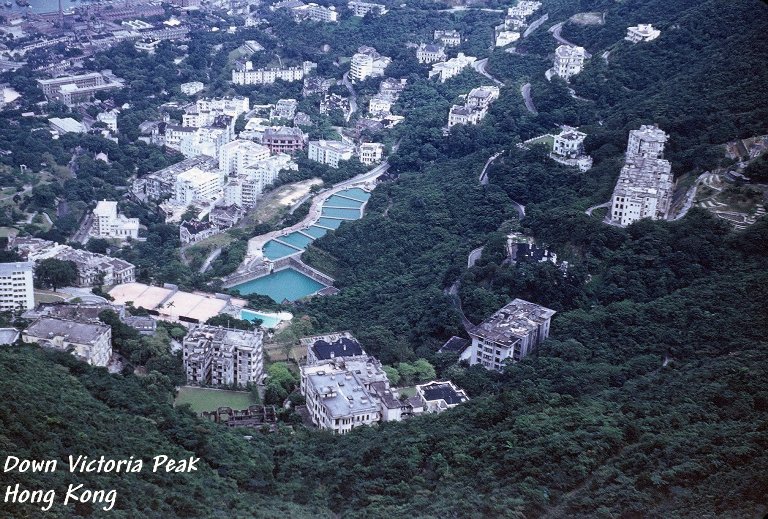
[
  {"x": 647, "y": 142},
  {"x": 197, "y": 185},
  {"x": 17, "y": 290},
  {"x": 330, "y": 152},
  {"x": 360, "y": 9},
  {"x": 109, "y": 118},
  {"x": 92, "y": 268},
  {"x": 569, "y": 60},
  {"x": 236, "y": 156},
  {"x": 245, "y": 74},
  {"x": 643, "y": 190},
  {"x": 449, "y": 38},
  {"x": 90, "y": 342},
  {"x": 193, "y": 231},
  {"x": 316, "y": 85},
  {"x": 642, "y": 32},
  {"x": 283, "y": 139},
  {"x": 225, "y": 216},
  {"x": 331, "y": 102},
  {"x": 482, "y": 97},
  {"x": 430, "y": 53},
  {"x": 569, "y": 143},
  {"x": 510, "y": 334},
  {"x": 463, "y": 115},
  {"x": 380, "y": 105},
  {"x": 74, "y": 90},
  {"x": 452, "y": 67},
  {"x": 162, "y": 183},
  {"x": 367, "y": 62},
  {"x": 524, "y": 8},
  {"x": 218, "y": 356},
  {"x": 371, "y": 152},
  {"x": 108, "y": 223},
  {"x": 318, "y": 13},
  {"x": 191, "y": 88},
  {"x": 245, "y": 189},
  {"x": 284, "y": 109}
]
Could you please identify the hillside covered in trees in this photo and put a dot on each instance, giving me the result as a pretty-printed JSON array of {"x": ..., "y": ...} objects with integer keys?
[{"x": 647, "y": 401}]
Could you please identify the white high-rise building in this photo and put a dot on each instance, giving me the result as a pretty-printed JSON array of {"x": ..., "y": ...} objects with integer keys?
[
  {"x": 647, "y": 142},
  {"x": 197, "y": 185},
  {"x": 643, "y": 190},
  {"x": 367, "y": 63},
  {"x": 108, "y": 223},
  {"x": 237, "y": 155},
  {"x": 510, "y": 334},
  {"x": 17, "y": 290},
  {"x": 569, "y": 60},
  {"x": 453, "y": 67},
  {"x": 642, "y": 32},
  {"x": 330, "y": 152},
  {"x": 223, "y": 357}
]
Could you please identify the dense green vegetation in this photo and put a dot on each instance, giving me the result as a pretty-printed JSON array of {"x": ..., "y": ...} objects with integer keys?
[{"x": 645, "y": 402}]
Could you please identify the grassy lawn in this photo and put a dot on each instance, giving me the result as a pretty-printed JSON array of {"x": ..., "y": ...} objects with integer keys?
[
  {"x": 546, "y": 140},
  {"x": 7, "y": 232},
  {"x": 46, "y": 296},
  {"x": 202, "y": 399}
]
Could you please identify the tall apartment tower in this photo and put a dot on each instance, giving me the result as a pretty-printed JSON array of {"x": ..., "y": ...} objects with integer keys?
[
  {"x": 647, "y": 142},
  {"x": 16, "y": 286}
]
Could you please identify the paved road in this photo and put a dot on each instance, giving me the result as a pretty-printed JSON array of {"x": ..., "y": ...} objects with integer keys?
[
  {"x": 474, "y": 256},
  {"x": 480, "y": 66},
  {"x": 556, "y": 30},
  {"x": 525, "y": 90},
  {"x": 484, "y": 173},
  {"x": 81, "y": 236},
  {"x": 352, "y": 95},
  {"x": 465, "y": 8},
  {"x": 211, "y": 257},
  {"x": 589, "y": 211},
  {"x": 535, "y": 25}
]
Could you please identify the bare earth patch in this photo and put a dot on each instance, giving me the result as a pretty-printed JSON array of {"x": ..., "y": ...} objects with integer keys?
[{"x": 588, "y": 19}]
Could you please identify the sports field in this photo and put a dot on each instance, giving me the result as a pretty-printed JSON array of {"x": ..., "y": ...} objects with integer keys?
[{"x": 203, "y": 399}]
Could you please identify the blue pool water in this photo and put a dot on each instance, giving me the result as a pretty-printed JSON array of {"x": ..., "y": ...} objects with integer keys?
[
  {"x": 340, "y": 201},
  {"x": 349, "y": 214},
  {"x": 284, "y": 284},
  {"x": 329, "y": 222},
  {"x": 274, "y": 250},
  {"x": 356, "y": 193},
  {"x": 269, "y": 321},
  {"x": 315, "y": 231},
  {"x": 297, "y": 239}
]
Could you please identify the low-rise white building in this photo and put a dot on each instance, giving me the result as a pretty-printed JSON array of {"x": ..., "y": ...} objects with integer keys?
[
  {"x": 430, "y": 53},
  {"x": 360, "y": 9},
  {"x": 449, "y": 38},
  {"x": 66, "y": 125},
  {"x": 244, "y": 73},
  {"x": 109, "y": 118},
  {"x": 482, "y": 97},
  {"x": 90, "y": 342},
  {"x": 504, "y": 38},
  {"x": 452, "y": 67},
  {"x": 569, "y": 61},
  {"x": 642, "y": 32},
  {"x": 440, "y": 396},
  {"x": 524, "y": 8},
  {"x": 191, "y": 88},
  {"x": 380, "y": 105},
  {"x": 371, "y": 153},
  {"x": 510, "y": 334},
  {"x": 459, "y": 114},
  {"x": 284, "y": 109},
  {"x": 569, "y": 143},
  {"x": 108, "y": 223},
  {"x": 330, "y": 152},
  {"x": 17, "y": 290}
]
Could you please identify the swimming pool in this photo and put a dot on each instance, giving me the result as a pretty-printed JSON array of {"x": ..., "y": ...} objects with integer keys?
[
  {"x": 284, "y": 284},
  {"x": 274, "y": 250},
  {"x": 268, "y": 320},
  {"x": 337, "y": 212}
]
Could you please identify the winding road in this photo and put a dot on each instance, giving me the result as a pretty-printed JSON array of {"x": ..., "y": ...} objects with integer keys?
[
  {"x": 352, "y": 95},
  {"x": 480, "y": 66},
  {"x": 556, "y": 30},
  {"x": 484, "y": 174},
  {"x": 589, "y": 211},
  {"x": 525, "y": 90}
]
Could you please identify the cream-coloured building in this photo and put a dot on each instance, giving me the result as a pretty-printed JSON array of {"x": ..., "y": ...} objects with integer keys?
[
  {"x": 17, "y": 290},
  {"x": 236, "y": 156},
  {"x": 524, "y": 8},
  {"x": 108, "y": 223},
  {"x": 510, "y": 334},
  {"x": 643, "y": 190},
  {"x": 449, "y": 38},
  {"x": 430, "y": 53},
  {"x": 90, "y": 342},
  {"x": 360, "y": 9},
  {"x": 330, "y": 152},
  {"x": 218, "y": 356},
  {"x": 318, "y": 13},
  {"x": 647, "y": 142},
  {"x": 451, "y": 68},
  {"x": 569, "y": 61},
  {"x": 245, "y": 74},
  {"x": 642, "y": 32},
  {"x": 367, "y": 62},
  {"x": 197, "y": 185},
  {"x": 569, "y": 143},
  {"x": 371, "y": 153},
  {"x": 191, "y": 88}
]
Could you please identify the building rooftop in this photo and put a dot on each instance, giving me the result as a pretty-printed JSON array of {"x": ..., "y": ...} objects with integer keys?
[
  {"x": 512, "y": 322},
  {"x": 8, "y": 335},
  {"x": 446, "y": 391},
  {"x": 333, "y": 345},
  {"x": 570, "y": 51},
  {"x": 342, "y": 394},
  {"x": 77, "y": 332},
  {"x": 455, "y": 344},
  {"x": 7, "y": 269},
  {"x": 105, "y": 208}
]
